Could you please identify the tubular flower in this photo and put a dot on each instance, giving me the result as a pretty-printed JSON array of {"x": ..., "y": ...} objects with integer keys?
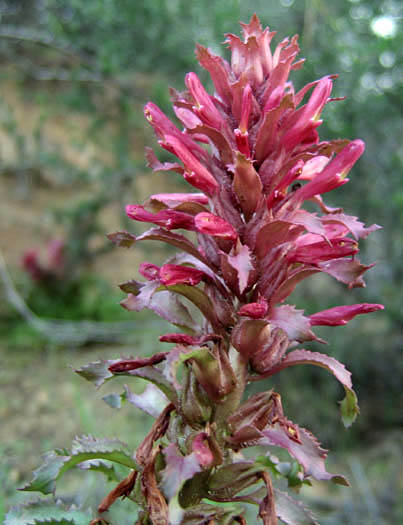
[{"x": 253, "y": 151}]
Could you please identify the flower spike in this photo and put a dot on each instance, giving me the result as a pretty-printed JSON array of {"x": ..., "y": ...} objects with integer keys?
[{"x": 252, "y": 151}]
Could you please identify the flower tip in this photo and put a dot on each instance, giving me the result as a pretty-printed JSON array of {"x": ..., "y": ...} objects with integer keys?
[{"x": 131, "y": 210}]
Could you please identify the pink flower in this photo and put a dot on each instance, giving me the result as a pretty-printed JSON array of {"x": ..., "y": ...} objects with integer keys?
[
  {"x": 341, "y": 315},
  {"x": 171, "y": 274}
]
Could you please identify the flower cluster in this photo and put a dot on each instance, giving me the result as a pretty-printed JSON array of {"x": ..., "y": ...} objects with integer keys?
[{"x": 253, "y": 152}]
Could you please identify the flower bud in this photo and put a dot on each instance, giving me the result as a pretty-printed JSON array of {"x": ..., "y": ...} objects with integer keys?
[
  {"x": 250, "y": 336},
  {"x": 271, "y": 352},
  {"x": 214, "y": 372},
  {"x": 194, "y": 403}
]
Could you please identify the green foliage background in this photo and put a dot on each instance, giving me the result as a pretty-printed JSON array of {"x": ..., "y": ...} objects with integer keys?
[{"x": 105, "y": 59}]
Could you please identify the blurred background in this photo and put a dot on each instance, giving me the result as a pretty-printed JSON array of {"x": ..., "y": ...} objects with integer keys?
[{"x": 74, "y": 77}]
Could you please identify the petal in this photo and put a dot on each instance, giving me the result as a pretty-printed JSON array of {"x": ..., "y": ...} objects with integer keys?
[
  {"x": 341, "y": 315},
  {"x": 177, "y": 274},
  {"x": 205, "y": 108},
  {"x": 170, "y": 219},
  {"x": 195, "y": 173},
  {"x": 213, "y": 225}
]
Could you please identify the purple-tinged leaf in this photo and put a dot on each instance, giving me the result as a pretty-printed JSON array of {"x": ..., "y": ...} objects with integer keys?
[
  {"x": 294, "y": 323},
  {"x": 349, "y": 405},
  {"x": 308, "y": 220},
  {"x": 152, "y": 401},
  {"x": 308, "y": 453},
  {"x": 174, "y": 239},
  {"x": 356, "y": 227},
  {"x": 289, "y": 284},
  {"x": 247, "y": 185},
  {"x": 136, "y": 303},
  {"x": 199, "y": 299},
  {"x": 185, "y": 258},
  {"x": 155, "y": 376},
  {"x": 274, "y": 234},
  {"x": 178, "y": 469},
  {"x": 166, "y": 305},
  {"x": 347, "y": 271},
  {"x": 240, "y": 258},
  {"x": 122, "y": 238}
]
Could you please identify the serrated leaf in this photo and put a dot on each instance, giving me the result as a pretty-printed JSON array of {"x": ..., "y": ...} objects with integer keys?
[
  {"x": 84, "y": 448},
  {"x": 199, "y": 299},
  {"x": 156, "y": 377},
  {"x": 349, "y": 405},
  {"x": 100, "y": 466},
  {"x": 178, "y": 469},
  {"x": 307, "y": 451},
  {"x": 163, "y": 303},
  {"x": 97, "y": 372},
  {"x": 46, "y": 512},
  {"x": 175, "y": 239},
  {"x": 152, "y": 401}
]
